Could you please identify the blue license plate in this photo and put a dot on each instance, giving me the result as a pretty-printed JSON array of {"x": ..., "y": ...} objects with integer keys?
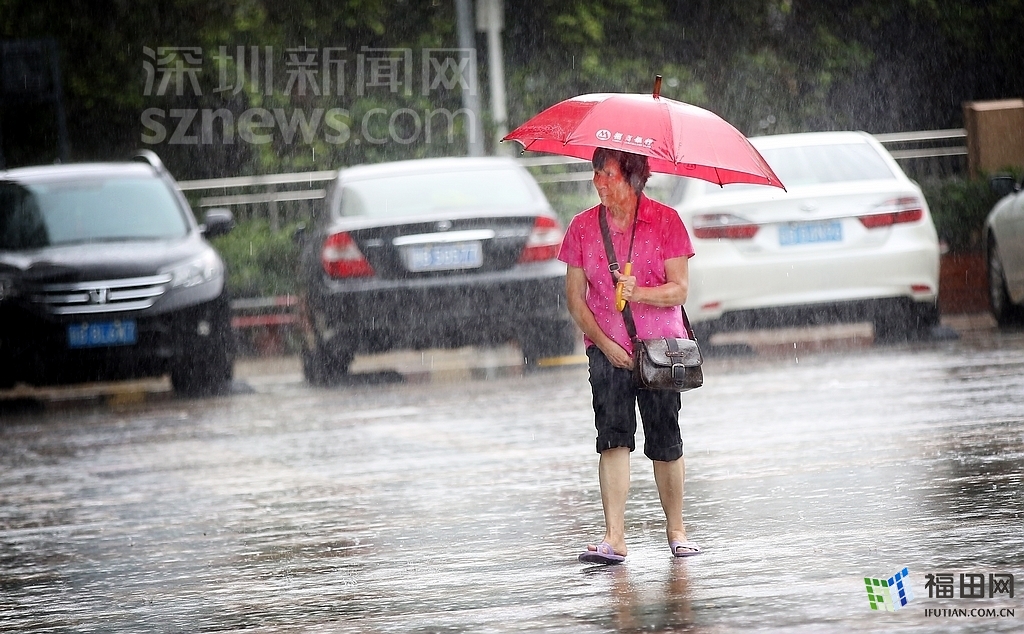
[
  {"x": 810, "y": 232},
  {"x": 444, "y": 257},
  {"x": 120, "y": 332}
]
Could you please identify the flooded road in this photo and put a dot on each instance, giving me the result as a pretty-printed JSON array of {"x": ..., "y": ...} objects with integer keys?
[{"x": 460, "y": 505}]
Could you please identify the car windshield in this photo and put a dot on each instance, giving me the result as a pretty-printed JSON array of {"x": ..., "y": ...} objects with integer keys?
[
  {"x": 416, "y": 194},
  {"x": 818, "y": 165},
  {"x": 96, "y": 210}
]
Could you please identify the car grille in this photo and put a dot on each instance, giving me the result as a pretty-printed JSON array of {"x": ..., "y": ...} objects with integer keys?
[{"x": 101, "y": 296}]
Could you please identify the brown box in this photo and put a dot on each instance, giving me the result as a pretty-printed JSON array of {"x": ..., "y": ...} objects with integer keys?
[{"x": 995, "y": 135}]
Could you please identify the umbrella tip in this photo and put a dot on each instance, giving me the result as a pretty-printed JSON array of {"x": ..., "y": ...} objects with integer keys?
[{"x": 657, "y": 86}]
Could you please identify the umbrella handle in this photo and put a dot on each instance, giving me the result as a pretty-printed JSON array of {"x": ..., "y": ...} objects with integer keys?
[{"x": 620, "y": 304}]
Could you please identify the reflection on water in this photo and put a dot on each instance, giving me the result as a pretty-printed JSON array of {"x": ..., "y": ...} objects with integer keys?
[
  {"x": 461, "y": 507},
  {"x": 655, "y": 605}
]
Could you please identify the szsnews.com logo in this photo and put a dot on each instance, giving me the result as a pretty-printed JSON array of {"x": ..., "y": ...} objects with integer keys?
[{"x": 889, "y": 594}]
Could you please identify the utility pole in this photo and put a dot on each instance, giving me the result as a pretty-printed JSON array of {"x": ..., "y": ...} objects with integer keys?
[
  {"x": 490, "y": 18},
  {"x": 470, "y": 96}
]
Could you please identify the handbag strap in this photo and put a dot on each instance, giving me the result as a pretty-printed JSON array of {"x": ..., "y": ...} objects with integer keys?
[{"x": 613, "y": 265}]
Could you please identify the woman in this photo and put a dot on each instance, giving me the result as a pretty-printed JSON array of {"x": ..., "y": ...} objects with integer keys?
[{"x": 660, "y": 252}]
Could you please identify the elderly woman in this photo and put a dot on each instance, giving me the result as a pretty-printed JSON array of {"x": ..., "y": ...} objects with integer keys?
[{"x": 652, "y": 236}]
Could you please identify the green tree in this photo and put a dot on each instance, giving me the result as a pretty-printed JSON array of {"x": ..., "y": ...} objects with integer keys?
[{"x": 768, "y": 66}]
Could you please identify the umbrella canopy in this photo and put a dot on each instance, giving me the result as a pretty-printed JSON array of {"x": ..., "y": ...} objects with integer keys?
[{"x": 677, "y": 138}]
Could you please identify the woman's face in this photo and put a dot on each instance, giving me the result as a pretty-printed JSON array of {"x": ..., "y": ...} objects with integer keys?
[{"x": 612, "y": 188}]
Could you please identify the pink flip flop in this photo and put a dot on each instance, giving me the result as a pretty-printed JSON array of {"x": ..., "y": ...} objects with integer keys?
[
  {"x": 689, "y": 549},
  {"x": 604, "y": 554}
]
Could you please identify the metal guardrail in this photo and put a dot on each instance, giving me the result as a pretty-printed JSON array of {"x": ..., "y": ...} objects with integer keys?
[
  {"x": 926, "y": 137},
  {"x": 272, "y": 190},
  {"x": 932, "y": 154},
  {"x": 264, "y": 303},
  {"x": 267, "y": 197},
  {"x": 266, "y": 325},
  {"x": 260, "y": 312},
  {"x": 931, "y": 139},
  {"x": 270, "y": 181}
]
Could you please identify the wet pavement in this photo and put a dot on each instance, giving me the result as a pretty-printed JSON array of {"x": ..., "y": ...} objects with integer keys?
[{"x": 457, "y": 501}]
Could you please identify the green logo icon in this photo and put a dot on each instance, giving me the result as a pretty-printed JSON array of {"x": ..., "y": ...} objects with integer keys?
[{"x": 889, "y": 594}]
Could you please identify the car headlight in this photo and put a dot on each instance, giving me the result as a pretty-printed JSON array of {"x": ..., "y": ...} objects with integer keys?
[{"x": 205, "y": 268}]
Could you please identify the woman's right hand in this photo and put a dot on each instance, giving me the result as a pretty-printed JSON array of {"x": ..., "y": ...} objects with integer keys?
[{"x": 618, "y": 356}]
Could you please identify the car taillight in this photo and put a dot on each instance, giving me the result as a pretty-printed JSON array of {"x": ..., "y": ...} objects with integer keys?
[
  {"x": 544, "y": 241},
  {"x": 894, "y": 212},
  {"x": 342, "y": 258},
  {"x": 723, "y": 226}
]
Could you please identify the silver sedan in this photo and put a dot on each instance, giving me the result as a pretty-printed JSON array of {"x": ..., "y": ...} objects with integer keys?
[{"x": 1004, "y": 229}]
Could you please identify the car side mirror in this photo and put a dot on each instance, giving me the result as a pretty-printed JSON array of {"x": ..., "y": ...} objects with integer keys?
[
  {"x": 219, "y": 221},
  {"x": 1003, "y": 184}
]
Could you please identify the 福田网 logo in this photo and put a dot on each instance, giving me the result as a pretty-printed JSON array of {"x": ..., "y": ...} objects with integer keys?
[{"x": 889, "y": 594}]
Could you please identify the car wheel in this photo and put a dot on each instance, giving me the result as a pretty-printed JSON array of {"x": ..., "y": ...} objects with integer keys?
[
  {"x": 553, "y": 339},
  {"x": 322, "y": 368},
  {"x": 893, "y": 323},
  {"x": 1003, "y": 309},
  {"x": 923, "y": 319},
  {"x": 203, "y": 374},
  {"x": 906, "y": 323},
  {"x": 206, "y": 364}
]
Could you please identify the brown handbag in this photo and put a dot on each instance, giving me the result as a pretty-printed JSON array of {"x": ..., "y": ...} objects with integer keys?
[
  {"x": 665, "y": 363},
  {"x": 668, "y": 363}
]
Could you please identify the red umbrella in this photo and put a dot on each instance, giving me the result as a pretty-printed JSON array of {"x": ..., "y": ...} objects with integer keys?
[{"x": 676, "y": 137}]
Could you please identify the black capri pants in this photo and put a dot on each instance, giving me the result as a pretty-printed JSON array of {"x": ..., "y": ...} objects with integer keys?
[{"x": 615, "y": 401}]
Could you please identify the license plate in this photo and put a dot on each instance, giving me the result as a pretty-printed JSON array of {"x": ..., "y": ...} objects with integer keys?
[
  {"x": 444, "y": 257},
  {"x": 810, "y": 232},
  {"x": 121, "y": 332}
]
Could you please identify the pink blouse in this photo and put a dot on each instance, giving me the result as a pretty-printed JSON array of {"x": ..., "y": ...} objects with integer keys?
[{"x": 660, "y": 235}]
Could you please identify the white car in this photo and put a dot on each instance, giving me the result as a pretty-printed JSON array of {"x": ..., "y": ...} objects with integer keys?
[
  {"x": 851, "y": 239},
  {"x": 1004, "y": 229}
]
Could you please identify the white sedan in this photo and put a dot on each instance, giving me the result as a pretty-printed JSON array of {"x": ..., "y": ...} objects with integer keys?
[
  {"x": 851, "y": 239},
  {"x": 1004, "y": 229}
]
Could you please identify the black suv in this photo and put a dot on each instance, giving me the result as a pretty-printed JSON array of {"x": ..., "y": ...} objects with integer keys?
[{"x": 105, "y": 275}]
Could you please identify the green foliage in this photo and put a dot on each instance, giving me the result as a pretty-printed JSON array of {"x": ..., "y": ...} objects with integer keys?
[
  {"x": 561, "y": 49},
  {"x": 260, "y": 262},
  {"x": 569, "y": 199},
  {"x": 959, "y": 208},
  {"x": 767, "y": 66}
]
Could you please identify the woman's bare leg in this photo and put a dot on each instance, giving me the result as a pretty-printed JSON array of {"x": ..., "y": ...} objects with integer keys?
[
  {"x": 613, "y": 473},
  {"x": 669, "y": 477}
]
